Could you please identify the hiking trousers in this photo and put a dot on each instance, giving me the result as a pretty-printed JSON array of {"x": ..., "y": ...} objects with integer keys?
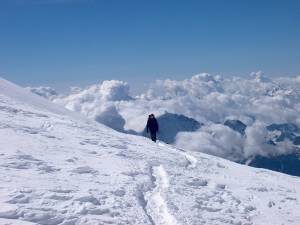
[{"x": 153, "y": 136}]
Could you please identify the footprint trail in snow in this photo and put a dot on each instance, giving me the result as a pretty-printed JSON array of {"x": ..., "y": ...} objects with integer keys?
[{"x": 156, "y": 204}]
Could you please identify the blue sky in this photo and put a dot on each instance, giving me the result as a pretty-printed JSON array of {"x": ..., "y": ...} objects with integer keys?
[{"x": 79, "y": 42}]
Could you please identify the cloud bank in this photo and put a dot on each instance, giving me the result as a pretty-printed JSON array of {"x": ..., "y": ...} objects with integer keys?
[{"x": 256, "y": 100}]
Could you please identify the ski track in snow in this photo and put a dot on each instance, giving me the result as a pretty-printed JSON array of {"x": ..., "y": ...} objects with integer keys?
[{"x": 156, "y": 204}]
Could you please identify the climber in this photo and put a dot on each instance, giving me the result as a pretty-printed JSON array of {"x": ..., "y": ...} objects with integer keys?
[{"x": 152, "y": 125}]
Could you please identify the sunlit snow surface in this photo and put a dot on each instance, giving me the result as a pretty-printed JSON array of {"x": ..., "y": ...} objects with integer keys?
[{"x": 57, "y": 168}]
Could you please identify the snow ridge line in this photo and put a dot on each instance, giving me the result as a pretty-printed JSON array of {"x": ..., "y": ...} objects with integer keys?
[{"x": 156, "y": 204}]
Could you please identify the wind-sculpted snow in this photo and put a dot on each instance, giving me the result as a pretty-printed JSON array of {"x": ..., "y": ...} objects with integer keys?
[{"x": 57, "y": 168}]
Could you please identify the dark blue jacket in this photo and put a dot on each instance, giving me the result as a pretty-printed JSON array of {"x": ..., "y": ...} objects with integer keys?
[{"x": 152, "y": 125}]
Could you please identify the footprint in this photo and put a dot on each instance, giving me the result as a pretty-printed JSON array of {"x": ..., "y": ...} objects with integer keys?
[
  {"x": 47, "y": 169},
  {"x": 84, "y": 170},
  {"x": 43, "y": 216},
  {"x": 119, "y": 193},
  {"x": 88, "y": 198},
  {"x": 22, "y": 161},
  {"x": 74, "y": 159},
  {"x": 118, "y": 146},
  {"x": 291, "y": 198},
  {"x": 19, "y": 198},
  {"x": 60, "y": 190},
  {"x": 50, "y": 136},
  {"x": 17, "y": 165},
  {"x": 58, "y": 197},
  {"x": 92, "y": 152},
  {"x": 27, "y": 157},
  {"x": 197, "y": 182},
  {"x": 220, "y": 186},
  {"x": 249, "y": 208},
  {"x": 8, "y": 211},
  {"x": 89, "y": 141},
  {"x": 271, "y": 204}
]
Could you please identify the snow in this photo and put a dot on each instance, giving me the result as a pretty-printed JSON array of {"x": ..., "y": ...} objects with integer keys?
[
  {"x": 24, "y": 95},
  {"x": 59, "y": 168}
]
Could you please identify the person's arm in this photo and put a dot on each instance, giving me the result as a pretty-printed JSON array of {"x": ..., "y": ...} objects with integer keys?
[
  {"x": 147, "y": 126},
  {"x": 157, "y": 127}
]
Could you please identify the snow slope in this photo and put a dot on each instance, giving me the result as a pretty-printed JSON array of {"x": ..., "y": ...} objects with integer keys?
[{"x": 58, "y": 168}]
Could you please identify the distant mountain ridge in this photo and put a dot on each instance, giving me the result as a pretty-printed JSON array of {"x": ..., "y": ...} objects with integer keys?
[
  {"x": 170, "y": 124},
  {"x": 287, "y": 163}
]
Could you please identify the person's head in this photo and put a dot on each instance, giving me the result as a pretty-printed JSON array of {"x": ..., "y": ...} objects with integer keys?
[{"x": 151, "y": 116}]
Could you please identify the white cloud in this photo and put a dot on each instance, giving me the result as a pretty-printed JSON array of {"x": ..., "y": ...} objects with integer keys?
[
  {"x": 214, "y": 139},
  {"x": 256, "y": 100},
  {"x": 114, "y": 90},
  {"x": 255, "y": 143},
  {"x": 98, "y": 102}
]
